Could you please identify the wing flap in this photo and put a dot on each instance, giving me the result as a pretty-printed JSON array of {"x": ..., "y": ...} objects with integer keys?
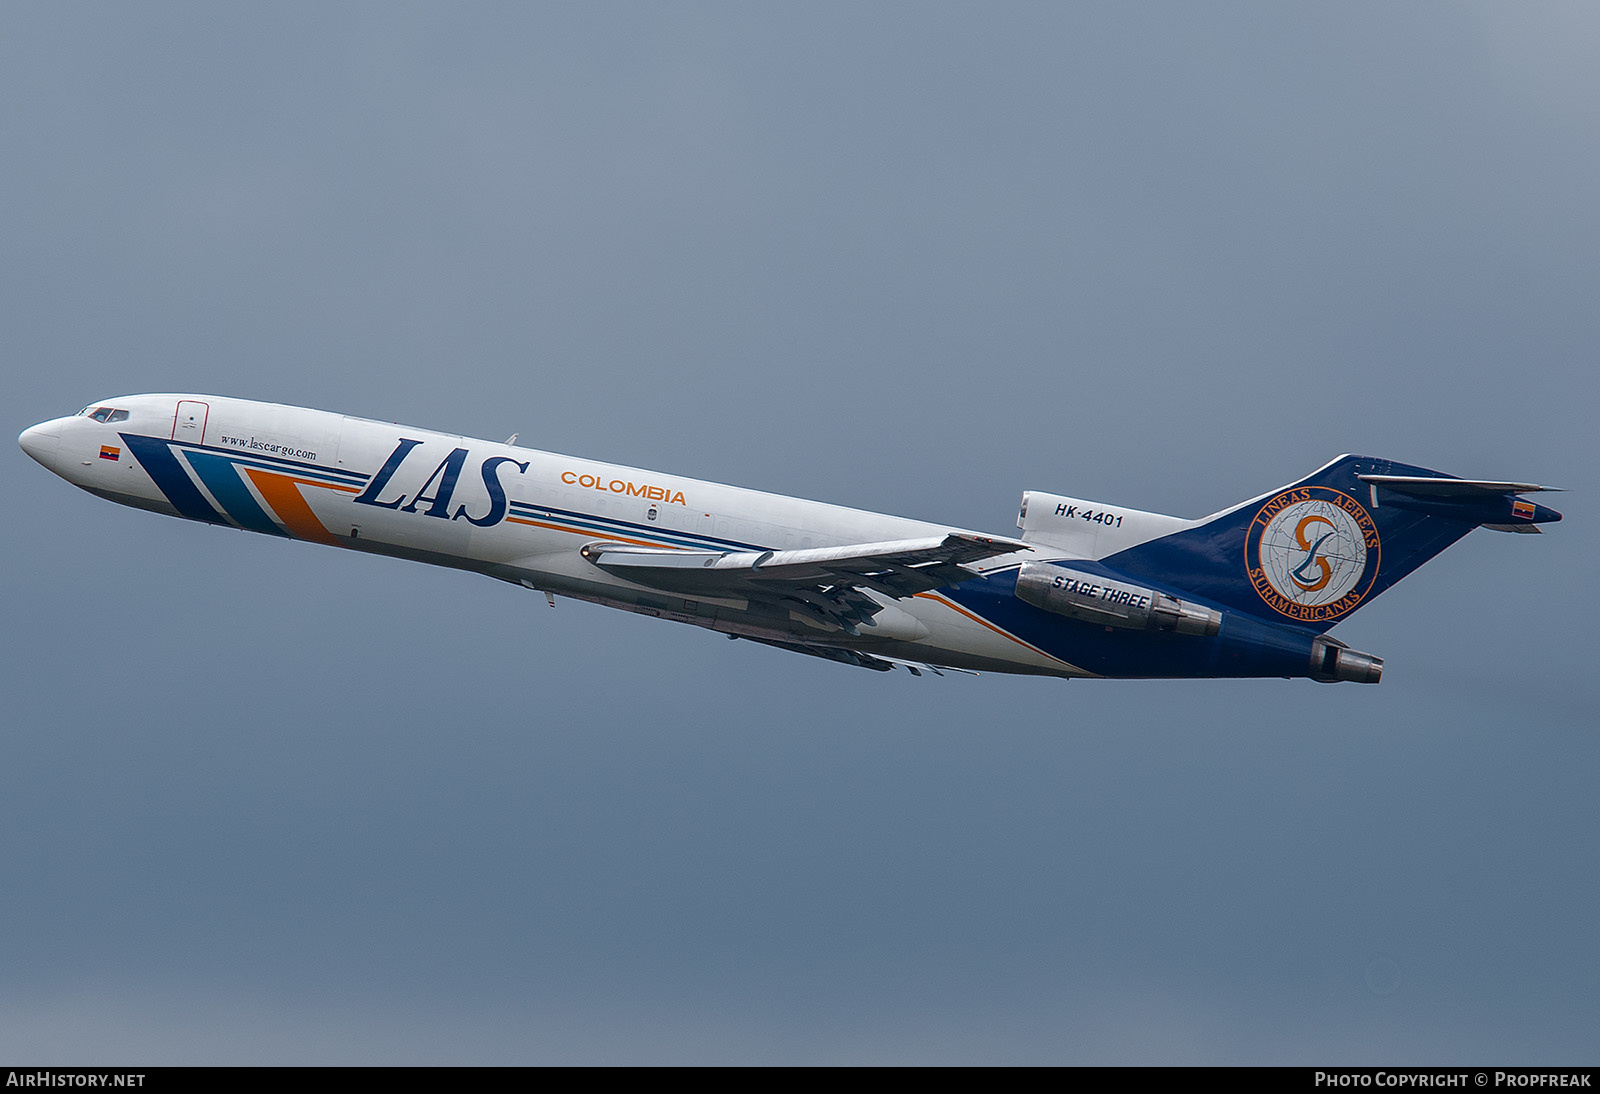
[
  {"x": 829, "y": 586},
  {"x": 876, "y": 661},
  {"x": 896, "y": 568}
]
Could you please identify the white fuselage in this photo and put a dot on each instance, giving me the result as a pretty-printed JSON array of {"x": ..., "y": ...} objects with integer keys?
[{"x": 512, "y": 513}]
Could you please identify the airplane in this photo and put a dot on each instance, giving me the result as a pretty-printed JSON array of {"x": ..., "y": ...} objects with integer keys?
[{"x": 1087, "y": 589}]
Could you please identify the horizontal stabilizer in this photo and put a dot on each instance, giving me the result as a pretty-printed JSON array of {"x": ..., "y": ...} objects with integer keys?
[
  {"x": 1425, "y": 487},
  {"x": 1487, "y": 502}
]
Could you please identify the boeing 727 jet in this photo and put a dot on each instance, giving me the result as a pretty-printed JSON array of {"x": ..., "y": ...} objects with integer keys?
[{"x": 1085, "y": 589}]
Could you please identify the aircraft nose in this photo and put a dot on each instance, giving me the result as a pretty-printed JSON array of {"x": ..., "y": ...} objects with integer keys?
[{"x": 40, "y": 441}]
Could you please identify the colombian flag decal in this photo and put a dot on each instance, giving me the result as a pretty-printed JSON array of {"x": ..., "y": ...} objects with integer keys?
[
  {"x": 1523, "y": 509},
  {"x": 107, "y": 452}
]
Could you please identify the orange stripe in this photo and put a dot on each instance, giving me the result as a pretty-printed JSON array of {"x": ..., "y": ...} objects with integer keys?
[
  {"x": 984, "y": 622},
  {"x": 585, "y": 532},
  {"x": 282, "y": 493}
]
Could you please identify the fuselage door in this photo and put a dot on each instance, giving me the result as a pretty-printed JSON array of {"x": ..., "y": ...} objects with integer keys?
[{"x": 189, "y": 424}]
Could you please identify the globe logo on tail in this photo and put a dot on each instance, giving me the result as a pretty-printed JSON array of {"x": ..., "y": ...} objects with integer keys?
[{"x": 1312, "y": 553}]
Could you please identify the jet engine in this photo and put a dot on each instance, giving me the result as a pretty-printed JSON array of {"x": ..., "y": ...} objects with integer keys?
[
  {"x": 1332, "y": 661},
  {"x": 1096, "y": 599}
]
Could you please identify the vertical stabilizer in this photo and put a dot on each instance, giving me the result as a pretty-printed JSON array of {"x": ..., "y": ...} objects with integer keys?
[{"x": 1314, "y": 551}]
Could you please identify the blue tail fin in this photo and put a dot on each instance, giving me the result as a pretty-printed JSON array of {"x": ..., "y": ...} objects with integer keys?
[{"x": 1313, "y": 552}]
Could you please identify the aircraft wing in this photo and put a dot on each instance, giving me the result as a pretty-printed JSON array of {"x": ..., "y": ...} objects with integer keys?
[
  {"x": 826, "y": 584},
  {"x": 878, "y": 662}
]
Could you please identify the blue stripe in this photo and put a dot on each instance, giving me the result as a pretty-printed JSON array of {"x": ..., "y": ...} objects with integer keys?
[
  {"x": 618, "y": 527},
  {"x": 221, "y": 477},
  {"x": 245, "y": 455},
  {"x": 155, "y": 456}
]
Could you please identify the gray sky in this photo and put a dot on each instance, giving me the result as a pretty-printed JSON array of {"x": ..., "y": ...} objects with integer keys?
[{"x": 267, "y": 802}]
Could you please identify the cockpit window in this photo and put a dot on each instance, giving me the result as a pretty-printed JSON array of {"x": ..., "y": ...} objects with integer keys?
[
  {"x": 101, "y": 413},
  {"x": 105, "y": 414},
  {"x": 118, "y": 416}
]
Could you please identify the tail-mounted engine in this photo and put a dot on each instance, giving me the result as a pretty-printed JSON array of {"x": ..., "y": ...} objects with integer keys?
[
  {"x": 1092, "y": 598},
  {"x": 1332, "y": 660}
]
